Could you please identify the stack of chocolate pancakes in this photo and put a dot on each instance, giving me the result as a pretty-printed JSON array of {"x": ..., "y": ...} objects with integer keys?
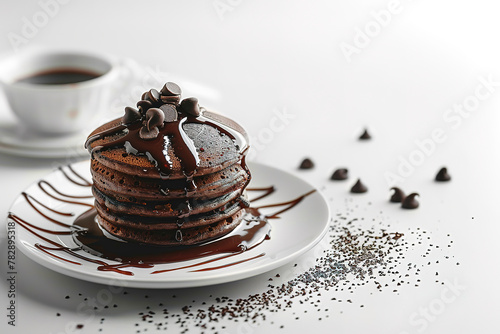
[{"x": 169, "y": 172}]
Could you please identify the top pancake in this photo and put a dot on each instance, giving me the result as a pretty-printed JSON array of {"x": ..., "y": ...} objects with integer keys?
[{"x": 215, "y": 149}]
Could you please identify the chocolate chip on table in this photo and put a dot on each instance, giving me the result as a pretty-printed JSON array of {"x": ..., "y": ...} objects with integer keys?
[
  {"x": 170, "y": 112},
  {"x": 398, "y": 195},
  {"x": 359, "y": 188},
  {"x": 365, "y": 135},
  {"x": 191, "y": 106},
  {"x": 442, "y": 175},
  {"x": 340, "y": 174},
  {"x": 410, "y": 202},
  {"x": 170, "y": 89},
  {"x": 155, "y": 118},
  {"x": 306, "y": 164},
  {"x": 131, "y": 115}
]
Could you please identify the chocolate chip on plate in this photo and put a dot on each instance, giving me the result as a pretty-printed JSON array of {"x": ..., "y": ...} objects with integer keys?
[
  {"x": 398, "y": 195},
  {"x": 442, "y": 175},
  {"x": 410, "y": 202},
  {"x": 340, "y": 174},
  {"x": 306, "y": 164},
  {"x": 359, "y": 188}
]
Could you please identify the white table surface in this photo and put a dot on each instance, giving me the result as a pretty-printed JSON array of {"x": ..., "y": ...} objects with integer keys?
[{"x": 252, "y": 60}]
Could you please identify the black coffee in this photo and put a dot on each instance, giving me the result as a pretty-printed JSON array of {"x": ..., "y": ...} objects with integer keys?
[{"x": 59, "y": 77}]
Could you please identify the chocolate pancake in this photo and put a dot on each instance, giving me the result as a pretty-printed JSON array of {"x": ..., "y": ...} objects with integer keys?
[
  {"x": 174, "y": 208},
  {"x": 174, "y": 237},
  {"x": 140, "y": 188},
  {"x": 169, "y": 173}
]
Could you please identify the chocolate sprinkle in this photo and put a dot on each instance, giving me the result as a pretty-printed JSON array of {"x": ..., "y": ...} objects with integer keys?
[
  {"x": 359, "y": 188},
  {"x": 365, "y": 135},
  {"x": 398, "y": 195},
  {"x": 355, "y": 256},
  {"x": 410, "y": 202},
  {"x": 442, "y": 175},
  {"x": 306, "y": 164},
  {"x": 340, "y": 174}
]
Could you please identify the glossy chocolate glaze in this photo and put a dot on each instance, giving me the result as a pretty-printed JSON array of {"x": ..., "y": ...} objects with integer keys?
[
  {"x": 254, "y": 230},
  {"x": 171, "y": 133}
]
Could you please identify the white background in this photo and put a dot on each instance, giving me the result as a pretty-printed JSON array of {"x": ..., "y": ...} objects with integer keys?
[{"x": 254, "y": 59}]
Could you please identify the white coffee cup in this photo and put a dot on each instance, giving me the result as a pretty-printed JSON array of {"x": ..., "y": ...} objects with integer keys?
[{"x": 59, "y": 108}]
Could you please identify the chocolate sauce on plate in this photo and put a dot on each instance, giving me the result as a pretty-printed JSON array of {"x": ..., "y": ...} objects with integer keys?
[{"x": 116, "y": 255}]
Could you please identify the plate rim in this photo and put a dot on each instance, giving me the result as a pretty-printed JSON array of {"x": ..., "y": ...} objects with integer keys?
[{"x": 134, "y": 282}]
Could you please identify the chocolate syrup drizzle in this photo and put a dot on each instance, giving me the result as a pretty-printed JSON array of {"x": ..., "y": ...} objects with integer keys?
[
  {"x": 173, "y": 134},
  {"x": 89, "y": 238}
]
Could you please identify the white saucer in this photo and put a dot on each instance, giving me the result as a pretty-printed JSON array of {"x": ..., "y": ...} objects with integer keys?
[
  {"x": 19, "y": 141},
  {"x": 294, "y": 233}
]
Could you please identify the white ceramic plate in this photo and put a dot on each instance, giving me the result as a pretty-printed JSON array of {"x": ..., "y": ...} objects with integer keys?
[{"x": 294, "y": 233}]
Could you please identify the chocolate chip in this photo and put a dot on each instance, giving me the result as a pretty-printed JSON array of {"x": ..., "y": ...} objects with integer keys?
[
  {"x": 144, "y": 96},
  {"x": 339, "y": 174},
  {"x": 191, "y": 106},
  {"x": 170, "y": 89},
  {"x": 306, "y": 164},
  {"x": 131, "y": 115},
  {"x": 442, "y": 175},
  {"x": 359, "y": 188},
  {"x": 144, "y": 105},
  {"x": 365, "y": 135},
  {"x": 174, "y": 99},
  {"x": 410, "y": 202},
  {"x": 398, "y": 195},
  {"x": 170, "y": 112},
  {"x": 155, "y": 118},
  {"x": 154, "y": 96},
  {"x": 146, "y": 134}
]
